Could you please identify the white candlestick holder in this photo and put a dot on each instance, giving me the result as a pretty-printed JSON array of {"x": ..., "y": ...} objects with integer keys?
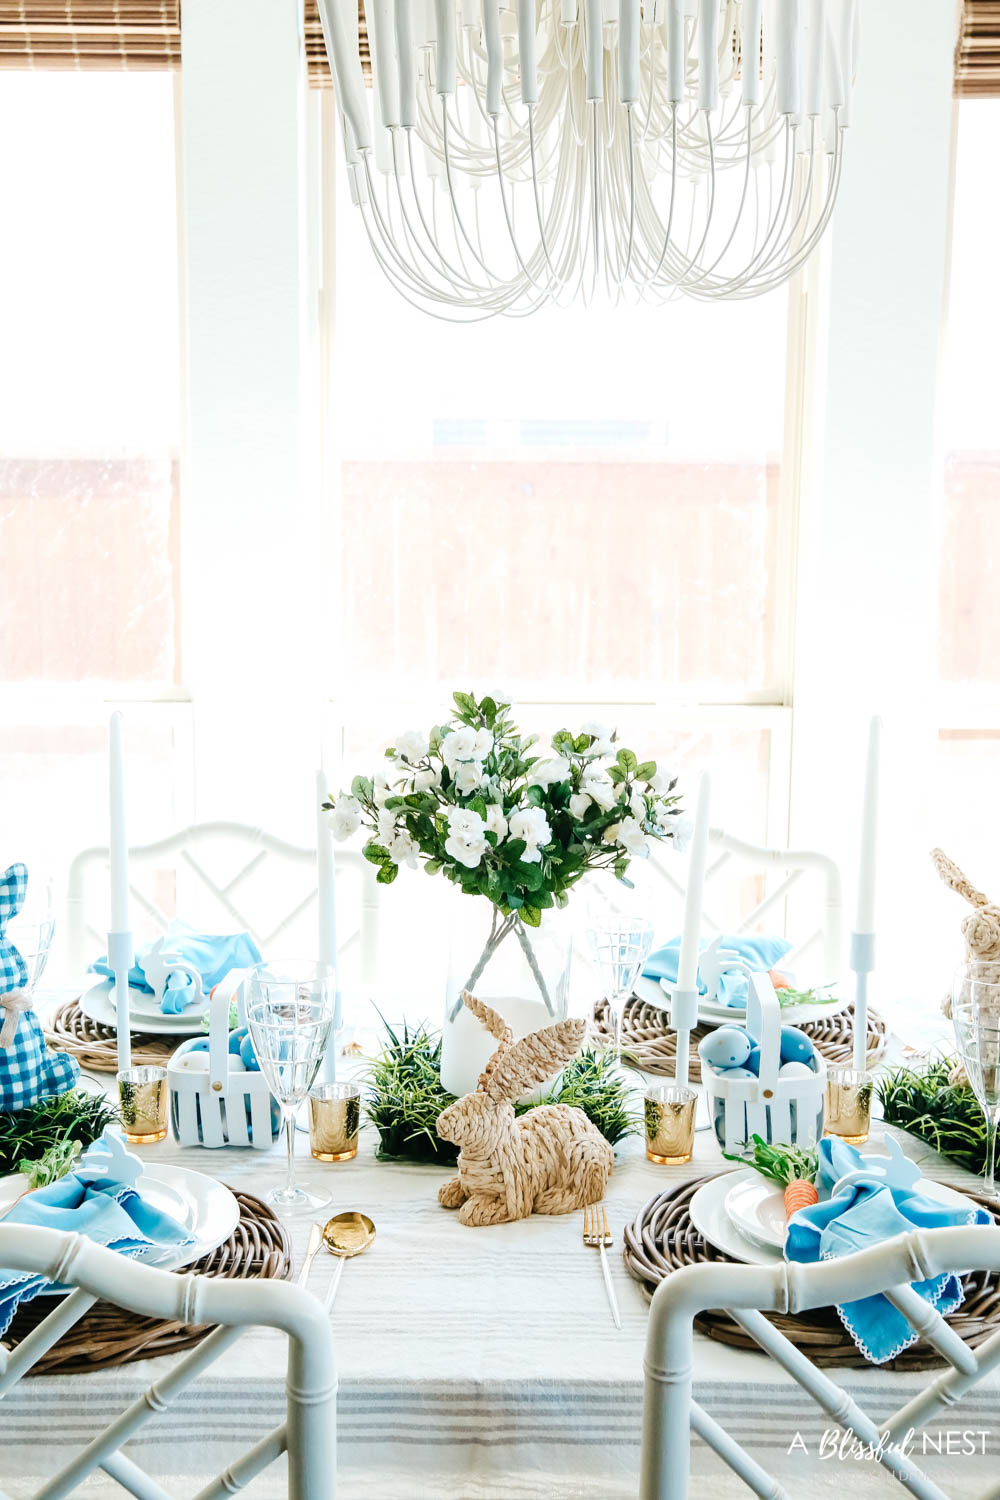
[
  {"x": 121, "y": 953},
  {"x": 862, "y": 964}
]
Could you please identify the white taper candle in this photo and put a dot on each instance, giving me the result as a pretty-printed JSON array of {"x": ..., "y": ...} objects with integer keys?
[
  {"x": 687, "y": 965},
  {"x": 118, "y": 844},
  {"x": 326, "y": 899},
  {"x": 865, "y": 921}
]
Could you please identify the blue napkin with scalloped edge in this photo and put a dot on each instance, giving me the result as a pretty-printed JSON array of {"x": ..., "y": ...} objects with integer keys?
[
  {"x": 212, "y": 956},
  {"x": 864, "y": 1214},
  {"x": 98, "y": 1199},
  {"x": 761, "y": 953}
]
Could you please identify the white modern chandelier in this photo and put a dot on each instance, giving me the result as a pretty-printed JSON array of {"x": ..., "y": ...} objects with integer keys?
[{"x": 517, "y": 152}]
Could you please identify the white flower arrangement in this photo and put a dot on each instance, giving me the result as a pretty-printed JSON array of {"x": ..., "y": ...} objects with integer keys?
[{"x": 468, "y": 800}]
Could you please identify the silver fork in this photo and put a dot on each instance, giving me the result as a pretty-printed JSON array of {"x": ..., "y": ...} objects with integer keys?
[{"x": 597, "y": 1234}]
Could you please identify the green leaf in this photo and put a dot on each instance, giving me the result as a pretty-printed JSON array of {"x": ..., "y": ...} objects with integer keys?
[
  {"x": 488, "y": 708},
  {"x": 436, "y": 740},
  {"x": 561, "y": 899},
  {"x": 535, "y": 796},
  {"x": 361, "y": 788},
  {"x": 514, "y": 848},
  {"x": 628, "y": 762},
  {"x": 391, "y": 803},
  {"x": 432, "y": 866},
  {"x": 465, "y": 702},
  {"x": 387, "y": 874},
  {"x": 616, "y": 774},
  {"x": 376, "y": 854},
  {"x": 531, "y": 916},
  {"x": 646, "y": 771},
  {"x": 514, "y": 901},
  {"x": 478, "y": 805},
  {"x": 581, "y": 743}
]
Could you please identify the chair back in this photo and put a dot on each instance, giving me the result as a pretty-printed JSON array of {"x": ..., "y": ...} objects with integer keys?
[
  {"x": 308, "y": 1435},
  {"x": 227, "y": 877},
  {"x": 809, "y": 882},
  {"x": 746, "y": 1293}
]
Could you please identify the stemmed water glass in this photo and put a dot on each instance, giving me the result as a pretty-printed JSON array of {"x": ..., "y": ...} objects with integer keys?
[
  {"x": 290, "y": 1011},
  {"x": 976, "y": 1017},
  {"x": 619, "y": 945},
  {"x": 31, "y": 931}
]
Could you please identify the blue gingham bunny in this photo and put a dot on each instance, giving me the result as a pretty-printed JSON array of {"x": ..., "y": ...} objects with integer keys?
[{"x": 28, "y": 1071}]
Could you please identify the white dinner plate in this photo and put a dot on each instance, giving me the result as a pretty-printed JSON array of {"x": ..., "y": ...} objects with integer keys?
[
  {"x": 759, "y": 1236},
  {"x": 98, "y": 1004},
  {"x": 205, "y": 1208},
  {"x": 657, "y": 992}
]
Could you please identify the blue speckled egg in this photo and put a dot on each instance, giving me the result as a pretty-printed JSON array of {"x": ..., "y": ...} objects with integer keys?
[
  {"x": 236, "y": 1038},
  {"x": 249, "y": 1056},
  {"x": 753, "y": 1061},
  {"x": 200, "y": 1044},
  {"x": 736, "y": 1073},
  {"x": 725, "y": 1047},
  {"x": 796, "y": 1046}
]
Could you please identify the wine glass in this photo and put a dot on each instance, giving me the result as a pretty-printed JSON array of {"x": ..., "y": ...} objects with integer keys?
[
  {"x": 976, "y": 1018},
  {"x": 619, "y": 945},
  {"x": 290, "y": 1010},
  {"x": 31, "y": 931}
]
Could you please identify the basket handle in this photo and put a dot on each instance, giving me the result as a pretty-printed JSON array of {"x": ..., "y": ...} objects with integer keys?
[
  {"x": 222, "y": 998},
  {"x": 764, "y": 1023}
]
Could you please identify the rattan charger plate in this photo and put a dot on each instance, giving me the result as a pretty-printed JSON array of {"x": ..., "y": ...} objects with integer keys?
[
  {"x": 95, "y": 1047},
  {"x": 647, "y": 1038},
  {"x": 107, "y": 1335},
  {"x": 662, "y": 1238}
]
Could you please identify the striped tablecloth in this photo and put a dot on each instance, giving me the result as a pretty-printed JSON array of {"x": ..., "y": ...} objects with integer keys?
[{"x": 475, "y": 1364}]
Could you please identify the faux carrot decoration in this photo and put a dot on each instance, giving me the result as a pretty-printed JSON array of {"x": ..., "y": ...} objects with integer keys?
[{"x": 790, "y": 1167}]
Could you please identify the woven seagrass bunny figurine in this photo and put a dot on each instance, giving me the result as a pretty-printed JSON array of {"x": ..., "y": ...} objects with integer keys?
[
  {"x": 549, "y": 1161},
  {"x": 981, "y": 928}
]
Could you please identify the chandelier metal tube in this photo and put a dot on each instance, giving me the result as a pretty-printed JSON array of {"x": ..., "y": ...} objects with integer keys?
[{"x": 514, "y": 153}]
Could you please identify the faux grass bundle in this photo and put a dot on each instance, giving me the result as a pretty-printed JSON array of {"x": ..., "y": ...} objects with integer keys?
[
  {"x": 945, "y": 1115},
  {"x": 405, "y": 1096}
]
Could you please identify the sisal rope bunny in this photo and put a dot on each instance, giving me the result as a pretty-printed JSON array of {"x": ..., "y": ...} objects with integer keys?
[
  {"x": 981, "y": 928},
  {"x": 550, "y": 1161}
]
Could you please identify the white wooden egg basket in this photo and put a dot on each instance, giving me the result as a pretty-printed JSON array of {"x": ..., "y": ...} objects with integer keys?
[
  {"x": 220, "y": 1107},
  {"x": 782, "y": 1111}
]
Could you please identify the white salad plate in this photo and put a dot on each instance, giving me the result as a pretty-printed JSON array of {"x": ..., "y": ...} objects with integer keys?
[
  {"x": 743, "y": 1213},
  {"x": 202, "y": 1206},
  {"x": 98, "y": 1004}
]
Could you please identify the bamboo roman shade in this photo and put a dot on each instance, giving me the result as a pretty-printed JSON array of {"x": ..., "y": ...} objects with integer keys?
[
  {"x": 115, "y": 34},
  {"x": 977, "y": 57},
  {"x": 121, "y": 34}
]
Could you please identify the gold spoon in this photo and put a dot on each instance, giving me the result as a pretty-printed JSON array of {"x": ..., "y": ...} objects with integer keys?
[{"x": 345, "y": 1235}]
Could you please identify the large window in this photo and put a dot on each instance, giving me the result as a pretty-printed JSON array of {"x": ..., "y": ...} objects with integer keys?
[
  {"x": 89, "y": 449},
  {"x": 969, "y": 601}
]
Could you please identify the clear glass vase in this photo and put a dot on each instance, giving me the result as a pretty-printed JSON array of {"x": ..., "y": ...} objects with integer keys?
[{"x": 521, "y": 972}]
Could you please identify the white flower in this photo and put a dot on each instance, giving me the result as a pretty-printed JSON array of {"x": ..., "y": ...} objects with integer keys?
[
  {"x": 610, "y": 835},
  {"x": 381, "y": 790},
  {"x": 661, "y": 781},
  {"x": 548, "y": 771},
  {"x": 466, "y": 840},
  {"x": 531, "y": 824},
  {"x": 412, "y": 745},
  {"x": 600, "y": 736},
  {"x": 345, "y": 818},
  {"x": 466, "y": 744},
  {"x": 599, "y": 787},
  {"x": 496, "y": 822},
  {"x": 386, "y": 824},
  {"x": 578, "y": 804},
  {"x": 469, "y": 776},
  {"x": 632, "y": 838},
  {"x": 403, "y": 849},
  {"x": 424, "y": 780},
  {"x": 637, "y": 803},
  {"x": 681, "y": 833}
]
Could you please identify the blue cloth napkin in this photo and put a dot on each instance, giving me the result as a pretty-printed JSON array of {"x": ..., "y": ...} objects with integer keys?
[
  {"x": 213, "y": 957},
  {"x": 864, "y": 1214},
  {"x": 99, "y": 1200},
  {"x": 761, "y": 953}
]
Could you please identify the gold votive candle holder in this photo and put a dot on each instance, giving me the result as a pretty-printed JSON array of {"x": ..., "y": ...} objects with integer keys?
[
  {"x": 143, "y": 1098},
  {"x": 334, "y": 1118},
  {"x": 849, "y": 1104},
  {"x": 670, "y": 1112}
]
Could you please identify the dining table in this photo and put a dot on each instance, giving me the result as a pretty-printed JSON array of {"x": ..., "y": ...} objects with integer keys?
[{"x": 483, "y": 1363}]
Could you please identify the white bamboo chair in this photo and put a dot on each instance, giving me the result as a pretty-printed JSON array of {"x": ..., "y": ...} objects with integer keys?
[
  {"x": 281, "y": 875},
  {"x": 308, "y": 1435},
  {"x": 803, "y": 873},
  {"x": 670, "y": 1413}
]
